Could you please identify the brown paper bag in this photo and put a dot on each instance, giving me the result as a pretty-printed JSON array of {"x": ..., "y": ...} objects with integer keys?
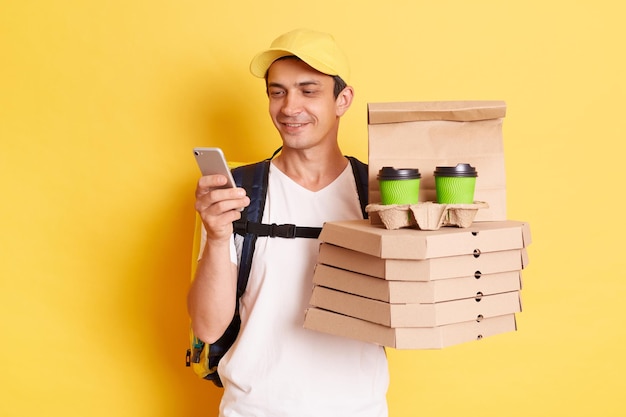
[{"x": 425, "y": 135}]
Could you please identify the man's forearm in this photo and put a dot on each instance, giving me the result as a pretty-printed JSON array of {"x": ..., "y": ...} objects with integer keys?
[{"x": 212, "y": 295}]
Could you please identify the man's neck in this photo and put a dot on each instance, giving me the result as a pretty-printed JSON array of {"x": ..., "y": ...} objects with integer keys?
[{"x": 312, "y": 169}]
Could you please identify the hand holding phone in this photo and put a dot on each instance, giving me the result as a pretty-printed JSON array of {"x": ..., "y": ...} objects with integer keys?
[{"x": 211, "y": 161}]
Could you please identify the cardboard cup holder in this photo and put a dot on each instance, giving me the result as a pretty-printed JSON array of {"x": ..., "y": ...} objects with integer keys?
[{"x": 426, "y": 215}]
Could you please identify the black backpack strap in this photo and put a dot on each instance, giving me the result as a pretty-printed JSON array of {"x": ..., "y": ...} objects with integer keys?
[
  {"x": 288, "y": 231},
  {"x": 253, "y": 178},
  {"x": 361, "y": 176}
]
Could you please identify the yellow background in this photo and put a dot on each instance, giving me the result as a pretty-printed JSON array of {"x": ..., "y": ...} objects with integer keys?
[{"x": 102, "y": 101}]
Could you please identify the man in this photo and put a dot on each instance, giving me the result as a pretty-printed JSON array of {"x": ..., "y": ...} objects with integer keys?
[{"x": 276, "y": 367}]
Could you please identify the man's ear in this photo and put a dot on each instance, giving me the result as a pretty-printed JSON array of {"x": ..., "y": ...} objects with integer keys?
[{"x": 344, "y": 100}]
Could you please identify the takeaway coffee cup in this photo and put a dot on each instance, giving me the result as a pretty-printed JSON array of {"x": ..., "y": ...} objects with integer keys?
[
  {"x": 455, "y": 185},
  {"x": 399, "y": 186}
]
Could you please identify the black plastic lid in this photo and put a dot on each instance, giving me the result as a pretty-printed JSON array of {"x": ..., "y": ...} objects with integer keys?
[
  {"x": 460, "y": 170},
  {"x": 391, "y": 173}
]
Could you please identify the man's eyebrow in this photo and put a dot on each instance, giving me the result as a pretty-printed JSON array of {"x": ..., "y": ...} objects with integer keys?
[
  {"x": 307, "y": 83},
  {"x": 300, "y": 84}
]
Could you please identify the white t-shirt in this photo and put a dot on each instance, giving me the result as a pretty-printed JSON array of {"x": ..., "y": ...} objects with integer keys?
[{"x": 276, "y": 368}]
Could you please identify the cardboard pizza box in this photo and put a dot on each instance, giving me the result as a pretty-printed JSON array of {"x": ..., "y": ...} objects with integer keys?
[
  {"x": 361, "y": 236},
  {"x": 415, "y": 314},
  {"x": 416, "y": 291},
  {"x": 407, "y": 337}
]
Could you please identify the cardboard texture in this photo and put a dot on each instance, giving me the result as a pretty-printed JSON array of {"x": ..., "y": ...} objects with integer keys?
[
  {"x": 425, "y": 135},
  {"x": 418, "y": 289},
  {"x": 407, "y": 337},
  {"x": 425, "y": 216},
  {"x": 361, "y": 236},
  {"x": 422, "y": 269},
  {"x": 414, "y": 314},
  {"x": 414, "y": 291}
]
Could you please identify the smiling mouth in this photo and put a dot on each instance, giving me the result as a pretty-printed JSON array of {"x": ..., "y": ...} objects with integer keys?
[{"x": 293, "y": 124}]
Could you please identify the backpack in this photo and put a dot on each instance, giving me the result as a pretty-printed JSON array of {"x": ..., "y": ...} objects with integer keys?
[{"x": 204, "y": 357}]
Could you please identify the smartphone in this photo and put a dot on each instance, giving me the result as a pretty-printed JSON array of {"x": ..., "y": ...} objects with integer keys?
[{"x": 211, "y": 161}]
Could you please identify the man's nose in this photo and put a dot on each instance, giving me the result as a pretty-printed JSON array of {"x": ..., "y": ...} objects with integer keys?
[{"x": 292, "y": 105}]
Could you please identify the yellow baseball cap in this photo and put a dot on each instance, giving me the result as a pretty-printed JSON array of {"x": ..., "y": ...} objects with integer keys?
[{"x": 317, "y": 49}]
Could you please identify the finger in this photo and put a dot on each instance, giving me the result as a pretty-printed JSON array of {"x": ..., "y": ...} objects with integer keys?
[
  {"x": 220, "y": 226},
  {"x": 208, "y": 182},
  {"x": 217, "y": 201}
]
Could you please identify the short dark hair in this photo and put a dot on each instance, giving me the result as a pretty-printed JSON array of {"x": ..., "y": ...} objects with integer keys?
[{"x": 340, "y": 84}]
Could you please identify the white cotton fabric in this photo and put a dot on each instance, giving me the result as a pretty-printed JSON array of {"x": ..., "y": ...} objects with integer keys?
[
  {"x": 234, "y": 254},
  {"x": 276, "y": 368}
]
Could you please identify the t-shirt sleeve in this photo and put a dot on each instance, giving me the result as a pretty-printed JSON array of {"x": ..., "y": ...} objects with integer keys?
[{"x": 235, "y": 249}]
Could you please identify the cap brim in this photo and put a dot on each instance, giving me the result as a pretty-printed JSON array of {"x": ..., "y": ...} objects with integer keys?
[{"x": 262, "y": 61}]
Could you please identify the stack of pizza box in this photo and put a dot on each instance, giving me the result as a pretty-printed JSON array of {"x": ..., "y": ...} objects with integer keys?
[{"x": 418, "y": 289}]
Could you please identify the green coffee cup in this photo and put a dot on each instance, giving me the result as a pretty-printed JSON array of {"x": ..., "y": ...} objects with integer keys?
[
  {"x": 455, "y": 185},
  {"x": 399, "y": 186}
]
